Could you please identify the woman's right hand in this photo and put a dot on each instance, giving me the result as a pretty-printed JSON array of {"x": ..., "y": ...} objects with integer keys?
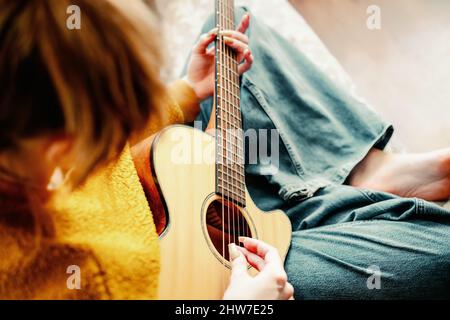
[{"x": 271, "y": 281}]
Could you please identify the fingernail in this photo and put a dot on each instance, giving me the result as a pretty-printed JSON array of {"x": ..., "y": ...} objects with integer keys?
[
  {"x": 213, "y": 31},
  {"x": 242, "y": 239},
  {"x": 234, "y": 253},
  {"x": 228, "y": 39},
  {"x": 246, "y": 52}
]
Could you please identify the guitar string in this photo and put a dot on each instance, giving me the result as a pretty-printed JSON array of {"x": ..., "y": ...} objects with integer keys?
[
  {"x": 241, "y": 148},
  {"x": 226, "y": 133},
  {"x": 219, "y": 125},
  {"x": 225, "y": 129},
  {"x": 228, "y": 65},
  {"x": 229, "y": 185},
  {"x": 234, "y": 93},
  {"x": 230, "y": 129},
  {"x": 235, "y": 99},
  {"x": 225, "y": 184},
  {"x": 239, "y": 142}
]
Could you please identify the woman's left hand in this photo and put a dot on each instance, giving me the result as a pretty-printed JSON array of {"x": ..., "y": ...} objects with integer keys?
[{"x": 201, "y": 67}]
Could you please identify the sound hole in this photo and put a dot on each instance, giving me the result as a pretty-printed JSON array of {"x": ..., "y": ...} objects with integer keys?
[{"x": 225, "y": 224}]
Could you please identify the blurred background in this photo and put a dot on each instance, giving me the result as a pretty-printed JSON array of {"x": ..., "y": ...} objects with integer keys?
[{"x": 401, "y": 70}]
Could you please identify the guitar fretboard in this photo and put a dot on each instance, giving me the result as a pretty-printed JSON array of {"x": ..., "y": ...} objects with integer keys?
[{"x": 230, "y": 170}]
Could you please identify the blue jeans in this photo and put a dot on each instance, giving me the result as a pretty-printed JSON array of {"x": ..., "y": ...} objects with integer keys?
[{"x": 347, "y": 243}]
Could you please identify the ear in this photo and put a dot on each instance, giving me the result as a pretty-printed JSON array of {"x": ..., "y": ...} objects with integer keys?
[{"x": 57, "y": 151}]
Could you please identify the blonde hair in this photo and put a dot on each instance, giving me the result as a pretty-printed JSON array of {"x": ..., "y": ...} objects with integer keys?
[{"x": 99, "y": 84}]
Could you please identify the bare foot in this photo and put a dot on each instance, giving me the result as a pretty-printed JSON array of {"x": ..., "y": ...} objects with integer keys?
[{"x": 424, "y": 175}]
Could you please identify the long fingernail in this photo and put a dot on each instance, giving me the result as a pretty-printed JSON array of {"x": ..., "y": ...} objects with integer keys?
[
  {"x": 234, "y": 253},
  {"x": 213, "y": 31}
]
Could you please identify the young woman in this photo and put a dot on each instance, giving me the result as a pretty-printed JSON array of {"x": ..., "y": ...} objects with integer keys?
[{"x": 70, "y": 197}]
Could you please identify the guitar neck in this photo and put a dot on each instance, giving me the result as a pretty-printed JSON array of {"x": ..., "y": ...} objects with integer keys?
[{"x": 230, "y": 178}]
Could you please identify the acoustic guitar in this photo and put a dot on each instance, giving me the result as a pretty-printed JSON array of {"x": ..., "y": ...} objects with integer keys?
[{"x": 195, "y": 184}]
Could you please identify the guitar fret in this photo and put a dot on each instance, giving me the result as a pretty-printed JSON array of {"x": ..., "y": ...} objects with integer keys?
[
  {"x": 227, "y": 113},
  {"x": 236, "y": 198},
  {"x": 239, "y": 169},
  {"x": 233, "y": 183},
  {"x": 233, "y": 110},
  {"x": 239, "y": 199},
  {"x": 233, "y": 196},
  {"x": 240, "y": 193},
  {"x": 235, "y": 159},
  {"x": 240, "y": 186},
  {"x": 229, "y": 84},
  {"x": 238, "y": 99},
  {"x": 229, "y": 11},
  {"x": 238, "y": 145},
  {"x": 236, "y": 170},
  {"x": 232, "y": 142},
  {"x": 226, "y": 5},
  {"x": 227, "y": 126},
  {"x": 224, "y": 160},
  {"x": 236, "y": 166},
  {"x": 234, "y": 146},
  {"x": 230, "y": 98},
  {"x": 239, "y": 173},
  {"x": 227, "y": 106},
  {"x": 234, "y": 85},
  {"x": 224, "y": 118},
  {"x": 239, "y": 166},
  {"x": 231, "y": 22},
  {"x": 232, "y": 71},
  {"x": 234, "y": 188},
  {"x": 229, "y": 118}
]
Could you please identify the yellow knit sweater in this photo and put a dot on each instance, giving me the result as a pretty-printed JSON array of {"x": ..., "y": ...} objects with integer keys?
[{"x": 103, "y": 232}]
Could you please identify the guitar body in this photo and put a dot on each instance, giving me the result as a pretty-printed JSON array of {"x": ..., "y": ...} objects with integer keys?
[{"x": 181, "y": 191}]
